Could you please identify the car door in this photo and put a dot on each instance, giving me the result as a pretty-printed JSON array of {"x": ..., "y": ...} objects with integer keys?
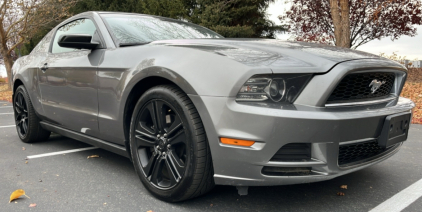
[{"x": 68, "y": 82}]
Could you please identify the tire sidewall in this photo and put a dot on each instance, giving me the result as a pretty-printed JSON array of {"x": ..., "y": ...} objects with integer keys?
[{"x": 165, "y": 94}]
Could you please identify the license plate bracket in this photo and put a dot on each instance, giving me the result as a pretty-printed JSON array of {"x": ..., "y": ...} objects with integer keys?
[{"x": 395, "y": 129}]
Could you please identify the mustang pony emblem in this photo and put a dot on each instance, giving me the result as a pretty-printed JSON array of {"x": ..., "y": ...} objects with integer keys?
[{"x": 375, "y": 84}]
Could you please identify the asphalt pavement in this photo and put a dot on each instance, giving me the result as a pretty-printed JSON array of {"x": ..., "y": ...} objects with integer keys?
[{"x": 72, "y": 182}]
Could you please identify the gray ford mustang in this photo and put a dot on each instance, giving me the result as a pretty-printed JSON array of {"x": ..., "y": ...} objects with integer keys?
[{"x": 192, "y": 109}]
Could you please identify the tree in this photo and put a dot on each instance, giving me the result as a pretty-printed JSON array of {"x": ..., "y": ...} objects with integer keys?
[
  {"x": 233, "y": 18},
  {"x": 167, "y": 8},
  {"x": 341, "y": 22},
  {"x": 230, "y": 18},
  {"x": 20, "y": 19},
  {"x": 352, "y": 23}
]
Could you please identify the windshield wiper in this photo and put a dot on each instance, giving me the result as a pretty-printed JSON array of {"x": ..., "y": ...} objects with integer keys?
[{"x": 132, "y": 44}]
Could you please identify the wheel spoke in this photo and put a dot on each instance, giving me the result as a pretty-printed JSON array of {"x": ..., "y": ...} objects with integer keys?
[
  {"x": 151, "y": 110},
  {"x": 18, "y": 106},
  {"x": 173, "y": 175},
  {"x": 17, "y": 116},
  {"x": 24, "y": 104},
  {"x": 175, "y": 165},
  {"x": 146, "y": 134},
  {"x": 156, "y": 171},
  {"x": 175, "y": 126},
  {"x": 160, "y": 115},
  {"x": 20, "y": 99},
  {"x": 141, "y": 141},
  {"x": 151, "y": 164},
  {"x": 180, "y": 137}
]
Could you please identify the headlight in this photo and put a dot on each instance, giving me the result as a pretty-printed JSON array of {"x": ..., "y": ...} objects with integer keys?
[{"x": 283, "y": 88}]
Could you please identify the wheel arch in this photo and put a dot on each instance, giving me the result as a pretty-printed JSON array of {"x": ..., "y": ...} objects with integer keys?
[
  {"x": 141, "y": 86},
  {"x": 16, "y": 84}
]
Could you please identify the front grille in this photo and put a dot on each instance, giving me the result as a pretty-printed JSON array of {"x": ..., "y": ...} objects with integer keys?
[
  {"x": 293, "y": 152},
  {"x": 355, "y": 153},
  {"x": 356, "y": 87}
]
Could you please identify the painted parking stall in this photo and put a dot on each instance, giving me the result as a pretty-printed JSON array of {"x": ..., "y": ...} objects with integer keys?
[
  {"x": 58, "y": 176},
  {"x": 6, "y": 115}
]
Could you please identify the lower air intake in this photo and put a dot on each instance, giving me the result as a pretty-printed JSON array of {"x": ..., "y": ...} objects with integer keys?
[
  {"x": 351, "y": 154},
  {"x": 293, "y": 152}
]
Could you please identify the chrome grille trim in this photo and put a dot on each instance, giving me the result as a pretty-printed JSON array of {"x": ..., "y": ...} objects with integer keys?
[{"x": 368, "y": 102}]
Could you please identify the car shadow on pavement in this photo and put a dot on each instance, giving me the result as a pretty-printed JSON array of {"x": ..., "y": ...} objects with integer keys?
[{"x": 361, "y": 186}]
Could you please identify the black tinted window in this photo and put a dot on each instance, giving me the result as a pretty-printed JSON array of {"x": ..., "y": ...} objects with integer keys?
[
  {"x": 81, "y": 26},
  {"x": 141, "y": 29}
]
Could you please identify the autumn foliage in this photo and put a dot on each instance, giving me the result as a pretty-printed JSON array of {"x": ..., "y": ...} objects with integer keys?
[
  {"x": 369, "y": 20},
  {"x": 413, "y": 90}
]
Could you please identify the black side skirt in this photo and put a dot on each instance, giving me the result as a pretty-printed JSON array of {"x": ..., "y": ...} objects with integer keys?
[{"x": 121, "y": 150}]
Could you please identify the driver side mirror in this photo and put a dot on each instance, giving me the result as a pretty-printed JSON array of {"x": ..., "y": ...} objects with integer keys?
[{"x": 77, "y": 41}]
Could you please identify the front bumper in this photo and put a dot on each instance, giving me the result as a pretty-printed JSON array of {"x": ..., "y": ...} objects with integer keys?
[{"x": 272, "y": 128}]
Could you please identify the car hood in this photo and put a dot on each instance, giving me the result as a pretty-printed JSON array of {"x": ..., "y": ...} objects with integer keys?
[{"x": 280, "y": 56}]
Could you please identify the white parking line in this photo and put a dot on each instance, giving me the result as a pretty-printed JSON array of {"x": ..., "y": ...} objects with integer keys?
[
  {"x": 5, "y": 106},
  {"x": 402, "y": 199},
  {"x": 6, "y": 113},
  {"x": 61, "y": 152},
  {"x": 7, "y": 126}
]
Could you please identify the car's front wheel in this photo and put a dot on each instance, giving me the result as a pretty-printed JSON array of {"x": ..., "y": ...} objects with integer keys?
[
  {"x": 27, "y": 122},
  {"x": 169, "y": 147}
]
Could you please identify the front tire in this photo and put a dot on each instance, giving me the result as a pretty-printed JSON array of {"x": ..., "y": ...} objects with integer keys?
[
  {"x": 27, "y": 122},
  {"x": 169, "y": 146}
]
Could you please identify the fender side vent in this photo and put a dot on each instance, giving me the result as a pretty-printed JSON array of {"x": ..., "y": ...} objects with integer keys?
[{"x": 293, "y": 152}]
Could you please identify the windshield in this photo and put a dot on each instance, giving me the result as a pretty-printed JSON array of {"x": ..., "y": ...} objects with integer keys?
[{"x": 138, "y": 29}]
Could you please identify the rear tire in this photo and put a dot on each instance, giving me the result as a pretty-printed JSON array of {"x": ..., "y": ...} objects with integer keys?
[
  {"x": 27, "y": 122},
  {"x": 169, "y": 147}
]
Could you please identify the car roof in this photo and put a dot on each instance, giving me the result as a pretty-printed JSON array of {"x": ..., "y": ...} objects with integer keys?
[{"x": 126, "y": 13}]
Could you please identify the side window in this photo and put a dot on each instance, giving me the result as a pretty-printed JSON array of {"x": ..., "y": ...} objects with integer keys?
[
  {"x": 81, "y": 26},
  {"x": 44, "y": 44}
]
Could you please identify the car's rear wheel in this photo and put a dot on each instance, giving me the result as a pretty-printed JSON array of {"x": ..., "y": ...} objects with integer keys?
[
  {"x": 27, "y": 122},
  {"x": 169, "y": 147}
]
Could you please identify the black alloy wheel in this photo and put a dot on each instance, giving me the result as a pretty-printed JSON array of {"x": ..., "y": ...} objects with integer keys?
[
  {"x": 168, "y": 145},
  {"x": 27, "y": 122},
  {"x": 21, "y": 115},
  {"x": 160, "y": 138}
]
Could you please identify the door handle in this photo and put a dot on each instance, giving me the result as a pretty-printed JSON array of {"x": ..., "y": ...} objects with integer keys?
[{"x": 44, "y": 68}]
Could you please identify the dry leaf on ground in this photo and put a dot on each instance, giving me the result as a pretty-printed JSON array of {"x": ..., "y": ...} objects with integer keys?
[
  {"x": 343, "y": 186},
  {"x": 26, "y": 162},
  {"x": 93, "y": 156},
  {"x": 16, "y": 194},
  {"x": 340, "y": 194},
  {"x": 23, "y": 148},
  {"x": 32, "y": 205}
]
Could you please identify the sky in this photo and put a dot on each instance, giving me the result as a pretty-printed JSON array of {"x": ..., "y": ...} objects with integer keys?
[
  {"x": 2, "y": 71},
  {"x": 411, "y": 47}
]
